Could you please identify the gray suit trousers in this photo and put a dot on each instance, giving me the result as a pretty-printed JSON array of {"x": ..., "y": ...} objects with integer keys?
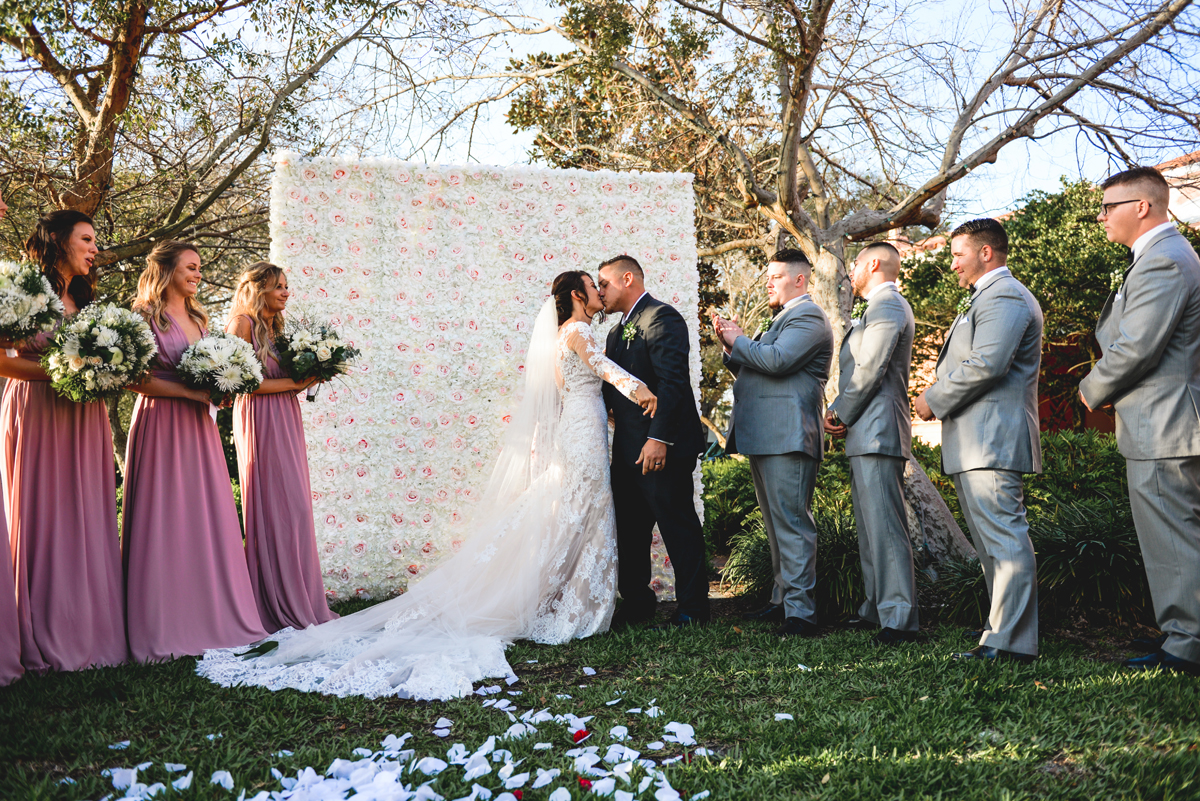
[
  {"x": 1165, "y": 498},
  {"x": 784, "y": 485},
  {"x": 877, "y": 489},
  {"x": 993, "y": 502}
]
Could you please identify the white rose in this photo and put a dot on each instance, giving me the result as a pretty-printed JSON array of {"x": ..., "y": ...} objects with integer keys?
[
  {"x": 323, "y": 353},
  {"x": 75, "y": 363}
]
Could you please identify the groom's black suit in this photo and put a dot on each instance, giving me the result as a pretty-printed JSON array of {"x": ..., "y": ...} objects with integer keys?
[{"x": 657, "y": 355}]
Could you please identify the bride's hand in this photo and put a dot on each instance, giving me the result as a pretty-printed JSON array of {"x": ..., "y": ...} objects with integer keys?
[{"x": 646, "y": 399}]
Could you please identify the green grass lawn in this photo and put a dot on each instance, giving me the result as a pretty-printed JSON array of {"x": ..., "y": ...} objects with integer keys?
[{"x": 869, "y": 723}]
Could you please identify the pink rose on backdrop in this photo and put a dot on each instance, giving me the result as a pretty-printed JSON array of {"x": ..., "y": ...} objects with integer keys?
[
  {"x": 309, "y": 174},
  {"x": 412, "y": 496},
  {"x": 573, "y": 186}
]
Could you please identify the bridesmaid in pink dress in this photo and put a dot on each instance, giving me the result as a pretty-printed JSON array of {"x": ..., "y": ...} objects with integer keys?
[
  {"x": 187, "y": 587},
  {"x": 10, "y": 631},
  {"x": 60, "y": 485},
  {"x": 281, "y": 541}
]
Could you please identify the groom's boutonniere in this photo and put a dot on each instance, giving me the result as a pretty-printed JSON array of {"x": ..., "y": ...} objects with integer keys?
[
  {"x": 764, "y": 325},
  {"x": 1115, "y": 279},
  {"x": 629, "y": 331},
  {"x": 964, "y": 304}
]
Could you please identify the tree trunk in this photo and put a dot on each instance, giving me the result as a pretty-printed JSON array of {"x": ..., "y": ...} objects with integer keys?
[
  {"x": 935, "y": 534},
  {"x": 120, "y": 437}
]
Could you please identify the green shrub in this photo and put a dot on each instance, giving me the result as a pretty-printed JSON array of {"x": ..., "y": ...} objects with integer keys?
[
  {"x": 728, "y": 498},
  {"x": 839, "y": 587}
]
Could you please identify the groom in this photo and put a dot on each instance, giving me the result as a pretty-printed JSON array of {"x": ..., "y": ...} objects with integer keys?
[{"x": 653, "y": 459}]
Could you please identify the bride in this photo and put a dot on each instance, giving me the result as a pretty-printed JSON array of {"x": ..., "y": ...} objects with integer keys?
[{"x": 540, "y": 560}]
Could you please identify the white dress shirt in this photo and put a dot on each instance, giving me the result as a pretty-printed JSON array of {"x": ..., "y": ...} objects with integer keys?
[
  {"x": 875, "y": 291},
  {"x": 629, "y": 313},
  {"x": 1139, "y": 244},
  {"x": 990, "y": 276}
]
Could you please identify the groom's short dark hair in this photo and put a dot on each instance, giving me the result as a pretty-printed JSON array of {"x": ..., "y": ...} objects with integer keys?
[{"x": 630, "y": 263}]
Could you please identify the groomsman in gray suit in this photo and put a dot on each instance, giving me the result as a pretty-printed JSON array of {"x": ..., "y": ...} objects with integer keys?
[
  {"x": 986, "y": 395},
  {"x": 777, "y": 421},
  {"x": 1149, "y": 333},
  {"x": 872, "y": 413}
]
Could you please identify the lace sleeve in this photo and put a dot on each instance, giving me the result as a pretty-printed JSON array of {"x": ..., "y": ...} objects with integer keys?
[{"x": 581, "y": 340}]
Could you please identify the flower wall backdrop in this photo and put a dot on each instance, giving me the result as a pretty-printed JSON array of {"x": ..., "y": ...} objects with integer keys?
[{"x": 436, "y": 273}]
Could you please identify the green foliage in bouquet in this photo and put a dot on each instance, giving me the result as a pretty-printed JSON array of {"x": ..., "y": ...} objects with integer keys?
[
  {"x": 98, "y": 352},
  {"x": 28, "y": 304},
  {"x": 221, "y": 364},
  {"x": 317, "y": 352}
]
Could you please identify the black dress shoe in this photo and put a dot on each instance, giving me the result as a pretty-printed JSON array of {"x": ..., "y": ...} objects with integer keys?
[
  {"x": 887, "y": 636},
  {"x": 682, "y": 621},
  {"x": 771, "y": 612},
  {"x": 972, "y": 634},
  {"x": 622, "y": 620},
  {"x": 1165, "y": 661},
  {"x": 798, "y": 627},
  {"x": 857, "y": 623},
  {"x": 986, "y": 653},
  {"x": 1148, "y": 645}
]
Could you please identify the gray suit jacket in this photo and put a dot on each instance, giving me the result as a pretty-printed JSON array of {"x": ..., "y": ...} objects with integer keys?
[
  {"x": 986, "y": 394},
  {"x": 779, "y": 393},
  {"x": 873, "y": 385},
  {"x": 1149, "y": 332}
]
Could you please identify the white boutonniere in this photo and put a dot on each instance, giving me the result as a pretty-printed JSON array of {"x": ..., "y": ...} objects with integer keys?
[
  {"x": 1115, "y": 279},
  {"x": 964, "y": 304},
  {"x": 857, "y": 313},
  {"x": 629, "y": 332},
  {"x": 764, "y": 325}
]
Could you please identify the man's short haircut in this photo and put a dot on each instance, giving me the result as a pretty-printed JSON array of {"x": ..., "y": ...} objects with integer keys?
[
  {"x": 984, "y": 231},
  {"x": 630, "y": 265},
  {"x": 1149, "y": 180},
  {"x": 797, "y": 263}
]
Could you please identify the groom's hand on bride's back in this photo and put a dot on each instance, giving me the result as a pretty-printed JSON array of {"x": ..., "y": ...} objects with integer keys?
[{"x": 653, "y": 456}]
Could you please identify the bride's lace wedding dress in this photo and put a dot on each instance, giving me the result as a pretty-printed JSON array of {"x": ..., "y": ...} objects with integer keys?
[{"x": 540, "y": 562}]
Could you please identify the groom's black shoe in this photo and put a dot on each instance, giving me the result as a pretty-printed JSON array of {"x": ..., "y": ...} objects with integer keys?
[
  {"x": 857, "y": 623},
  {"x": 772, "y": 613},
  {"x": 986, "y": 653},
  {"x": 1148, "y": 645},
  {"x": 888, "y": 636},
  {"x": 623, "y": 620},
  {"x": 1165, "y": 661},
  {"x": 682, "y": 621},
  {"x": 798, "y": 627}
]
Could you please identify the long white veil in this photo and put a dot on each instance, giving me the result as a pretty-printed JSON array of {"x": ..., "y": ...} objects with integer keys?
[{"x": 451, "y": 628}]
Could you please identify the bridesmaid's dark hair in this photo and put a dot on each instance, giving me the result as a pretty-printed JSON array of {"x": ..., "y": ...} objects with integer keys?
[
  {"x": 563, "y": 289},
  {"x": 47, "y": 247}
]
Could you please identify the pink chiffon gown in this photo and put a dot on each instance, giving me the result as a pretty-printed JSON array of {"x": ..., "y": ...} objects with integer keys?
[
  {"x": 187, "y": 588},
  {"x": 10, "y": 633},
  {"x": 281, "y": 540},
  {"x": 61, "y": 506}
]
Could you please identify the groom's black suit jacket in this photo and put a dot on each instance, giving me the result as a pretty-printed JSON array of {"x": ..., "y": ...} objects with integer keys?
[{"x": 658, "y": 356}]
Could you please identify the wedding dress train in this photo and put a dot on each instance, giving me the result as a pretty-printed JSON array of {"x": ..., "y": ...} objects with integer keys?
[{"x": 539, "y": 562}]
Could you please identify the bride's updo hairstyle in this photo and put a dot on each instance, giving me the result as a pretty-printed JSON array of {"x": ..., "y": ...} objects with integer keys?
[{"x": 563, "y": 289}]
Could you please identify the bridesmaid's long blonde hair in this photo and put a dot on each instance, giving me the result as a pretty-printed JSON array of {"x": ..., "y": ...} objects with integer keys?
[
  {"x": 259, "y": 279},
  {"x": 151, "y": 300}
]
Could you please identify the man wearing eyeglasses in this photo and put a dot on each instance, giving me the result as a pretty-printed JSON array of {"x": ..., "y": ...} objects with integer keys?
[{"x": 1149, "y": 372}]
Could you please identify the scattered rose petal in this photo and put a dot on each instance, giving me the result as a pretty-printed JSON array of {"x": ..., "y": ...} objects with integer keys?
[
  {"x": 587, "y": 671},
  {"x": 531, "y": 661},
  {"x": 805, "y": 668},
  {"x": 173, "y": 767},
  {"x": 543, "y": 746},
  {"x": 442, "y": 732},
  {"x": 430, "y": 766},
  {"x": 544, "y": 777},
  {"x": 581, "y": 735},
  {"x": 211, "y": 737},
  {"x": 654, "y": 746},
  {"x": 222, "y": 778},
  {"x": 283, "y": 754},
  {"x": 121, "y": 746},
  {"x": 618, "y": 733},
  {"x": 784, "y": 716},
  {"x": 612, "y": 702},
  {"x": 637, "y": 710},
  {"x": 700, "y": 796},
  {"x": 511, "y": 680},
  {"x": 443, "y": 723},
  {"x": 563, "y": 697},
  {"x": 185, "y": 782},
  {"x": 653, "y": 712},
  {"x": 560, "y": 794}
]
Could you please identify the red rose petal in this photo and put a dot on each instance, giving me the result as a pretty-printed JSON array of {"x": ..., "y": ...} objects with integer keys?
[
  {"x": 581, "y": 735},
  {"x": 518, "y": 794},
  {"x": 585, "y": 783}
]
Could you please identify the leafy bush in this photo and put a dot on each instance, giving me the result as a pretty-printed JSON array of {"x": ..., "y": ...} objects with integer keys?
[
  {"x": 728, "y": 499},
  {"x": 839, "y": 587}
]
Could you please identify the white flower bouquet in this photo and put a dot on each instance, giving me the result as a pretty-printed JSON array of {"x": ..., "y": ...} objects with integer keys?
[
  {"x": 314, "y": 352},
  {"x": 28, "y": 304},
  {"x": 98, "y": 352},
  {"x": 221, "y": 364}
]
